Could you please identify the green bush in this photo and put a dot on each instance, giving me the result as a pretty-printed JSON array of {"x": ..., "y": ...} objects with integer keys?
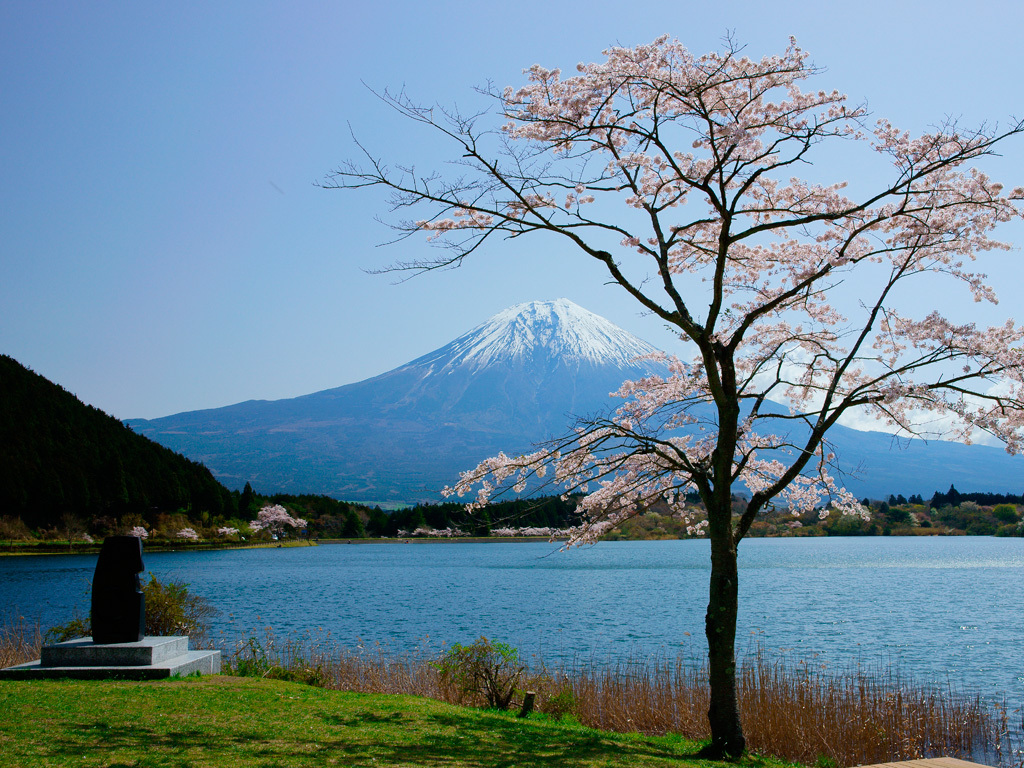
[
  {"x": 1005, "y": 513},
  {"x": 77, "y": 627},
  {"x": 1010, "y": 530},
  {"x": 559, "y": 704},
  {"x": 172, "y": 610},
  {"x": 484, "y": 669}
]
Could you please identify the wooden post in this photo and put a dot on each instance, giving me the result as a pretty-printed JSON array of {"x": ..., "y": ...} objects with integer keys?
[{"x": 528, "y": 699}]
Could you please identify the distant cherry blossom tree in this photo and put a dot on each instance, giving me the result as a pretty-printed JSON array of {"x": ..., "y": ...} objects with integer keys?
[
  {"x": 227, "y": 531},
  {"x": 274, "y": 519},
  {"x": 676, "y": 174},
  {"x": 139, "y": 531},
  {"x": 188, "y": 534}
]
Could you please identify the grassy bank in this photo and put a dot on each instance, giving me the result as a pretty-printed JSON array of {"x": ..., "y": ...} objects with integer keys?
[{"x": 231, "y": 721}]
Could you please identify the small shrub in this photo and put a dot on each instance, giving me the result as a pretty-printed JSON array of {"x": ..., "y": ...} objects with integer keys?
[
  {"x": 77, "y": 627},
  {"x": 1005, "y": 513},
  {"x": 13, "y": 529},
  {"x": 1008, "y": 530},
  {"x": 484, "y": 669},
  {"x": 172, "y": 610},
  {"x": 559, "y": 704}
]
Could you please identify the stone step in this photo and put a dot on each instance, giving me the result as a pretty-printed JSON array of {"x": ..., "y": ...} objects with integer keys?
[
  {"x": 83, "y": 652},
  {"x": 151, "y": 658},
  {"x": 203, "y": 662}
]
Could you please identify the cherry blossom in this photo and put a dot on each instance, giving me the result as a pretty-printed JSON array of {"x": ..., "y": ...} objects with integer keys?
[{"x": 274, "y": 518}]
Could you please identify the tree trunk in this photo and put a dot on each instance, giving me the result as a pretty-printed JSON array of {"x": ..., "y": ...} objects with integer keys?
[{"x": 720, "y": 624}]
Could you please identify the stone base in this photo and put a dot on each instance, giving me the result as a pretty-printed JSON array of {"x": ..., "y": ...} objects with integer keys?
[{"x": 151, "y": 658}]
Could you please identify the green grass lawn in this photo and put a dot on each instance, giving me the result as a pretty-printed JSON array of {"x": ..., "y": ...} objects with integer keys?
[{"x": 231, "y": 721}]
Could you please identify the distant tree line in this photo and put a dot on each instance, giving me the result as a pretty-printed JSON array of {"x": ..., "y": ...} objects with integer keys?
[
  {"x": 330, "y": 518},
  {"x": 953, "y": 497}
]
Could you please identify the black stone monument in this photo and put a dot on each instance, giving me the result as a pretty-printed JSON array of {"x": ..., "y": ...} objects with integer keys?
[{"x": 118, "y": 605}]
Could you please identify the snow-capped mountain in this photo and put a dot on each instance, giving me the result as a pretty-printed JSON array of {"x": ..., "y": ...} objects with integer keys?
[{"x": 517, "y": 379}]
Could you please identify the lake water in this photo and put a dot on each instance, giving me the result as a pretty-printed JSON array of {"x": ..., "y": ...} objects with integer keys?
[{"x": 942, "y": 609}]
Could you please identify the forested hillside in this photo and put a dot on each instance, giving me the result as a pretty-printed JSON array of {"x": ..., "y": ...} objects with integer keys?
[{"x": 60, "y": 457}]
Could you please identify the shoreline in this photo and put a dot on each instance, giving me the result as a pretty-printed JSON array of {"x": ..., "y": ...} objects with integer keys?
[{"x": 47, "y": 548}]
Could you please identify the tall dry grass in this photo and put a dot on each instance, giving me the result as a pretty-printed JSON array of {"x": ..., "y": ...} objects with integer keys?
[
  {"x": 20, "y": 641},
  {"x": 315, "y": 659},
  {"x": 798, "y": 711}
]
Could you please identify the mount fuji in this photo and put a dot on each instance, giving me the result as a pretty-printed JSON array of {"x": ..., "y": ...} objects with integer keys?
[
  {"x": 512, "y": 381},
  {"x": 515, "y": 380}
]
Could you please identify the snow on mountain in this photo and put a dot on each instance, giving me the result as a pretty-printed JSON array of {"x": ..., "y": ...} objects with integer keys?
[{"x": 556, "y": 329}]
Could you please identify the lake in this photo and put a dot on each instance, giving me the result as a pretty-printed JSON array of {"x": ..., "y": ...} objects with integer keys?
[{"x": 941, "y": 608}]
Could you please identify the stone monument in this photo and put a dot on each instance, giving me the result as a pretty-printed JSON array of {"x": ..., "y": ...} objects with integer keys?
[
  {"x": 119, "y": 647},
  {"x": 118, "y": 605}
]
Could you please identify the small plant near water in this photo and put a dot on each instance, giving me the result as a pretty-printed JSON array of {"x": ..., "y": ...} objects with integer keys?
[
  {"x": 558, "y": 700},
  {"x": 172, "y": 610},
  {"x": 253, "y": 658},
  {"x": 485, "y": 669}
]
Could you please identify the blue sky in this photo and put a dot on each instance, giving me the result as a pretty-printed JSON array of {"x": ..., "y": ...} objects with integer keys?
[{"x": 164, "y": 247}]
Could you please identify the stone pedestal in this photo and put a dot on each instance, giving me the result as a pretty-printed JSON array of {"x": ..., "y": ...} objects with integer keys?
[{"x": 151, "y": 658}]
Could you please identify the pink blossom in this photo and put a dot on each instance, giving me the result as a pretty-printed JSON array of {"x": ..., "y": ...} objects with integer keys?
[
  {"x": 274, "y": 519},
  {"x": 139, "y": 531}
]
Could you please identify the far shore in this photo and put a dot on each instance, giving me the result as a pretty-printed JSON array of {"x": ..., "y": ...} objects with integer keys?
[{"x": 17, "y": 549}]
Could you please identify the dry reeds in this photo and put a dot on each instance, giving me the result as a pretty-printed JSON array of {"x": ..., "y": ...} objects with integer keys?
[
  {"x": 20, "y": 641},
  {"x": 861, "y": 716},
  {"x": 315, "y": 659},
  {"x": 798, "y": 711}
]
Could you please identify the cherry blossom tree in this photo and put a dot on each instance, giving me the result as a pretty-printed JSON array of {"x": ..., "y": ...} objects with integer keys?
[
  {"x": 676, "y": 174},
  {"x": 274, "y": 518}
]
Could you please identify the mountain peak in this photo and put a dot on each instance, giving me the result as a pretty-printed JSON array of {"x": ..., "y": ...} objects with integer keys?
[{"x": 556, "y": 330}]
